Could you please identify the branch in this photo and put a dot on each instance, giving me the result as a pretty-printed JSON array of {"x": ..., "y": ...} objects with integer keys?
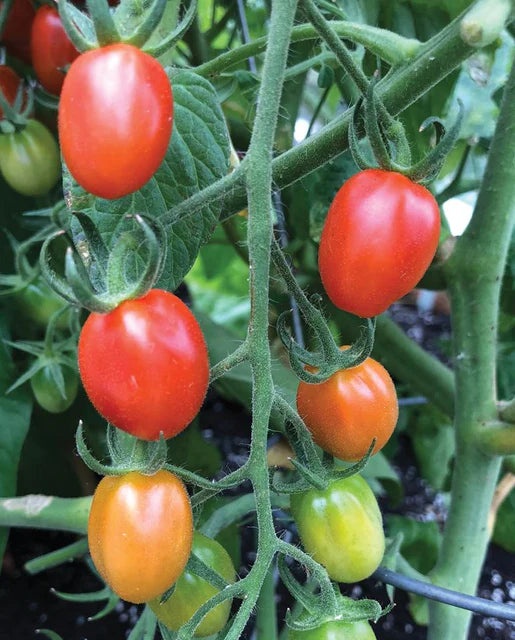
[{"x": 46, "y": 512}]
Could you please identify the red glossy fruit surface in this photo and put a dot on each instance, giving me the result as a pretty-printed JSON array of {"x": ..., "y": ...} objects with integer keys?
[
  {"x": 379, "y": 238},
  {"x": 347, "y": 411},
  {"x": 51, "y": 49},
  {"x": 145, "y": 365},
  {"x": 115, "y": 119}
]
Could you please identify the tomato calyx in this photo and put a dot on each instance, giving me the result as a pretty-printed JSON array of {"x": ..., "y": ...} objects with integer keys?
[
  {"x": 127, "y": 453},
  {"x": 94, "y": 276},
  {"x": 318, "y": 610},
  {"x": 381, "y": 127},
  {"x": 15, "y": 115},
  {"x": 110, "y": 27}
]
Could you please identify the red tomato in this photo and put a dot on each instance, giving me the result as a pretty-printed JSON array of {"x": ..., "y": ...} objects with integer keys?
[
  {"x": 16, "y": 35},
  {"x": 9, "y": 83},
  {"x": 51, "y": 49},
  {"x": 115, "y": 119},
  {"x": 351, "y": 408},
  {"x": 145, "y": 365},
  {"x": 379, "y": 238},
  {"x": 140, "y": 532}
]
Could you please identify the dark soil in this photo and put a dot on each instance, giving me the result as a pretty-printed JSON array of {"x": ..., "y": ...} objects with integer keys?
[{"x": 27, "y": 602}]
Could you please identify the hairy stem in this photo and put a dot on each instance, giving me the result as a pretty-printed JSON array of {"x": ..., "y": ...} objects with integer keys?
[{"x": 474, "y": 273}]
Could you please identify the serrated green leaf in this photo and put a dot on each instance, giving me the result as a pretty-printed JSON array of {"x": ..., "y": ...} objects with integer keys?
[
  {"x": 421, "y": 540},
  {"x": 198, "y": 154}
]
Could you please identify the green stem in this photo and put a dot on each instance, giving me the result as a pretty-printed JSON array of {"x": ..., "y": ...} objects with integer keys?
[
  {"x": 408, "y": 362},
  {"x": 46, "y": 512},
  {"x": 55, "y": 558},
  {"x": 266, "y": 610},
  {"x": 507, "y": 410},
  {"x": 497, "y": 438},
  {"x": 5, "y": 10},
  {"x": 386, "y": 44},
  {"x": 435, "y": 60},
  {"x": 474, "y": 273}
]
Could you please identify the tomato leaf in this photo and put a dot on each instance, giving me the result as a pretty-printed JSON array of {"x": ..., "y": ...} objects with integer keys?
[
  {"x": 421, "y": 541},
  {"x": 198, "y": 155},
  {"x": 145, "y": 627},
  {"x": 15, "y": 412},
  {"x": 505, "y": 524}
]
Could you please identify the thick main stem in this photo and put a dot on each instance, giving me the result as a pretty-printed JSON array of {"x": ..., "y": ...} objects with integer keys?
[{"x": 474, "y": 274}]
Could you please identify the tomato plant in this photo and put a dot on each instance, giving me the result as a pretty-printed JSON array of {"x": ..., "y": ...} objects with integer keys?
[
  {"x": 155, "y": 366},
  {"x": 115, "y": 119},
  {"x": 29, "y": 159},
  {"x": 341, "y": 527},
  {"x": 379, "y": 238},
  {"x": 191, "y": 592},
  {"x": 52, "y": 51},
  {"x": 336, "y": 630},
  {"x": 347, "y": 411},
  {"x": 140, "y": 532},
  {"x": 48, "y": 395},
  {"x": 16, "y": 35}
]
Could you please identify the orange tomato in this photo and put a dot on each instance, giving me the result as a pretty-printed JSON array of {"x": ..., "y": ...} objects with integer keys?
[
  {"x": 351, "y": 408},
  {"x": 140, "y": 533}
]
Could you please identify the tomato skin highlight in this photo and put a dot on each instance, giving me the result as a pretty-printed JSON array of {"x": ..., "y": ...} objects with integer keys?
[
  {"x": 16, "y": 35},
  {"x": 191, "y": 592},
  {"x": 115, "y": 119},
  {"x": 29, "y": 159},
  {"x": 51, "y": 49},
  {"x": 341, "y": 527},
  {"x": 140, "y": 531},
  {"x": 145, "y": 365},
  {"x": 351, "y": 408},
  {"x": 336, "y": 630},
  {"x": 379, "y": 238}
]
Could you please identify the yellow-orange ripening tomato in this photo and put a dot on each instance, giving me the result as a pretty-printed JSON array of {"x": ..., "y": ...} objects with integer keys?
[
  {"x": 140, "y": 533},
  {"x": 351, "y": 408}
]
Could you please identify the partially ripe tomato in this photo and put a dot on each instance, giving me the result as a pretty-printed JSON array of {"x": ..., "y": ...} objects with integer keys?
[
  {"x": 52, "y": 50},
  {"x": 351, "y": 408},
  {"x": 379, "y": 238},
  {"x": 336, "y": 630},
  {"x": 9, "y": 85},
  {"x": 115, "y": 119},
  {"x": 16, "y": 35},
  {"x": 191, "y": 592},
  {"x": 145, "y": 365},
  {"x": 341, "y": 527},
  {"x": 139, "y": 533}
]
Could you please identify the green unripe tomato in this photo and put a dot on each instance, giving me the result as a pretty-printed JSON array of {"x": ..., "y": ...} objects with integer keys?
[
  {"x": 47, "y": 393},
  {"x": 29, "y": 159},
  {"x": 341, "y": 527},
  {"x": 191, "y": 591},
  {"x": 38, "y": 302},
  {"x": 336, "y": 630}
]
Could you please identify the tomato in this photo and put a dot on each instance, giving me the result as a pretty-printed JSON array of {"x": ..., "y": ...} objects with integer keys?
[
  {"x": 115, "y": 119},
  {"x": 16, "y": 35},
  {"x": 351, "y": 408},
  {"x": 48, "y": 395},
  {"x": 154, "y": 367},
  {"x": 379, "y": 238},
  {"x": 341, "y": 527},
  {"x": 52, "y": 50},
  {"x": 191, "y": 592},
  {"x": 38, "y": 303},
  {"x": 140, "y": 532},
  {"x": 336, "y": 630},
  {"x": 29, "y": 159}
]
